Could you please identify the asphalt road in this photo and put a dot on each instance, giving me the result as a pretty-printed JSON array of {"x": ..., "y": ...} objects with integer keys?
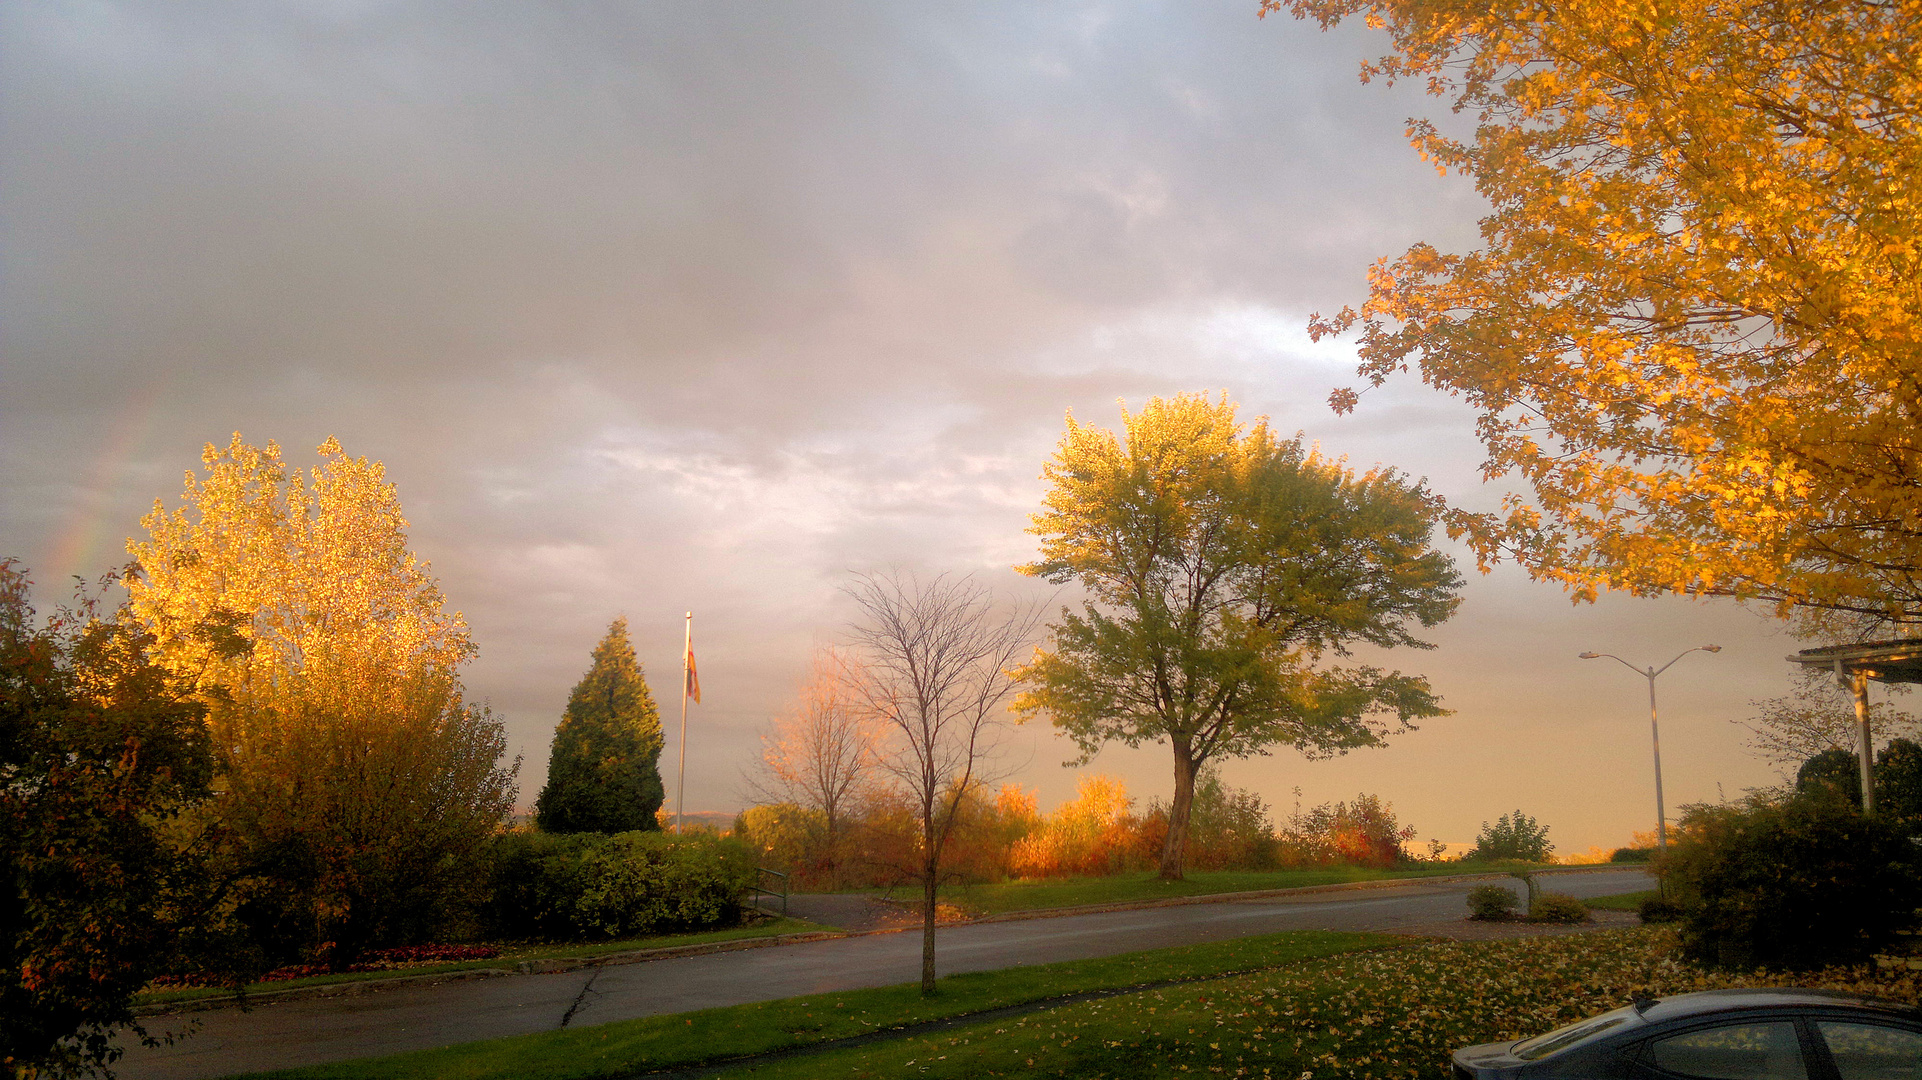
[{"x": 315, "y": 1030}]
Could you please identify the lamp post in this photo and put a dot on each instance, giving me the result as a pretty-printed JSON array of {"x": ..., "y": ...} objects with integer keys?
[{"x": 1655, "y": 731}]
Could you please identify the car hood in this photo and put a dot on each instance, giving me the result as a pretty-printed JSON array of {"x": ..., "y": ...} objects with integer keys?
[{"x": 1489, "y": 1056}]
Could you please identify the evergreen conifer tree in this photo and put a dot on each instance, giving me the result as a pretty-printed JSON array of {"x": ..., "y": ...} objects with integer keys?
[{"x": 603, "y": 774}]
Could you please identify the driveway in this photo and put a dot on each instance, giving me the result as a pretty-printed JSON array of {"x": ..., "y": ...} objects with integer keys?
[{"x": 386, "y": 1021}]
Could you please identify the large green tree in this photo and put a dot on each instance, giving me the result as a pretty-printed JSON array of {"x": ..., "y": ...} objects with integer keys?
[
  {"x": 604, "y": 773},
  {"x": 1693, "y": 326},
  {"x": 1225, "y": 568},
  {"x": 103, "y": 759}
]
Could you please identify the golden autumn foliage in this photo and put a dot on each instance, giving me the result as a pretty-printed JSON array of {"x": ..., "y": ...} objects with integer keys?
[
  {"x": 1093, "y": 833},
  {"x": 1695, "y": 327},
  {"x": 262, "y": 565},
  {"x": 358, "y": 783}
]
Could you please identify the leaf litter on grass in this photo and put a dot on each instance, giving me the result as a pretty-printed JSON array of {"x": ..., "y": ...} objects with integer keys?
[{"x": 1388, "y": 1015}]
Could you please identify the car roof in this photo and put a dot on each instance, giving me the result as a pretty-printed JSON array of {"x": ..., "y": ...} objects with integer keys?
[{"x": 1708, "y": 1002}]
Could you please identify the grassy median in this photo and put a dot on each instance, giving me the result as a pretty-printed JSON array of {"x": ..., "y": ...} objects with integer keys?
[
  {"x": 633, "y": 1046},
  {"x": 1038, "y": 895}
]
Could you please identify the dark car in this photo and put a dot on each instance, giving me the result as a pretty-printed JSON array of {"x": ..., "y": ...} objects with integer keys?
[{"x": 1781, "y": 1034}]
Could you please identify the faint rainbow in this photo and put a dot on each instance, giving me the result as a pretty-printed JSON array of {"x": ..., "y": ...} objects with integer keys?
[{"x": 80, "y": 545}]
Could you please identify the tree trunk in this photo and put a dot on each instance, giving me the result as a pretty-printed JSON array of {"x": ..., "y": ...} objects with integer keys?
[
  {"x": 929, "y": 878},
  {"x": 1174, "y": 850}
]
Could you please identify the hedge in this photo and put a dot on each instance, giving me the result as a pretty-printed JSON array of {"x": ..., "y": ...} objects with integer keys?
[{"x": 584, "y": 886}]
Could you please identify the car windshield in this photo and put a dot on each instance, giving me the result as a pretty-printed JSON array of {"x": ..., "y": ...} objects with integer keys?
[{"x": 1562, "y": 1038}]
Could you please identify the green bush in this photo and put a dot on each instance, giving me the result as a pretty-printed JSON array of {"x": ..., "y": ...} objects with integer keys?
[
  {"x": 592, "y": 885},
  {"x": 1898, "y": 782},
  {"x": 1657, "y": 910},
  {"x": 1554, "y": 907},
  {"x": 1513, "y": 836},
  {"x": 1632, "y": 855},
  {"x": 1491, "y": 902},
  {"x": 1794, "y": 884},
  {"x": 643, "y": 883},
  {"x": 1831, "y": 774}
]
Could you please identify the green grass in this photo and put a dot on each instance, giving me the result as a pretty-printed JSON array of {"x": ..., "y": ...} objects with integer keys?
[
  {"x": 1074, "y": 892},
  {"x": 1380, "y": 1015},
  {"x": 690, "y": 1038},
  {"x": 507, "y": 959},
  {"x": 1628, "y": 901}
]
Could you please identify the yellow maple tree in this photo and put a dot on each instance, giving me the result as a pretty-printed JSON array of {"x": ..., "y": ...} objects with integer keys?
[
  {"x": 1695, "y": 327},
  {"x": 262, "y": 566},
  {"x": 358, "y": 782}
]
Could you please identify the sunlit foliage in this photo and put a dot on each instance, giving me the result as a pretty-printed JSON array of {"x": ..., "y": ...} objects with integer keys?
[
  {"x": 1694, "y": 325},
  {"x": 1225, "y": 567},
  {"x": 604, "y": 769},
  {"x": 1091, "y": 834},
  {"x": 357, "y": 780},
  {"x": 261, "y": 566}
]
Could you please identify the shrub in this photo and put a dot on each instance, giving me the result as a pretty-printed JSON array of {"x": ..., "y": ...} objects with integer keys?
[
  {"x": 1362, "y": 833},
  {"x": 789, "y": 838},
  {"x": 1794, "y": 884},
  {"x": 1513, "y": 836},
  {"x": 1832, "y": 774},
  {"x": 1632, "y": 855},
  {"x": 644, "y": 882},
  {"x": 1898, "y": 782},
  {"x": 591, "y": 885},
  {"x": 1228, "y": 828},
  {"x": 1553, "y": 907},
  {"x": 1657, "y": 910},
  {"x": 1491, "y": 903},
  {"x": 1093, "y": 833}
]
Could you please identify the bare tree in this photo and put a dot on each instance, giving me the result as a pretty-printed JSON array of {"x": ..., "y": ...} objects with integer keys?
[
  {"x": 821, "y": 752},
  {"x": 931, "y": 661},
  {"x": 1816, "y": 716}
]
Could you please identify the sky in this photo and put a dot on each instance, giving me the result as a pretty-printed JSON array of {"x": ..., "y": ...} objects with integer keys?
[{"x": 654, "y": 308}]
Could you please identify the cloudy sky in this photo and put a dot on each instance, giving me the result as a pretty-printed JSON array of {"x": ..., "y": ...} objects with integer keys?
[{"x": 659, "y": 307}]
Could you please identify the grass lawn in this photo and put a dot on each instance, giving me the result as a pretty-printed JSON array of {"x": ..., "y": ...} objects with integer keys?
[
  {"x": 1073, "y": 892},
  {"x": 510, "y": 955},
  {"x": 1628, "y": 901},
  {"x": 689, "y": 1038},
  {"x": 1378, "y": 1015}
]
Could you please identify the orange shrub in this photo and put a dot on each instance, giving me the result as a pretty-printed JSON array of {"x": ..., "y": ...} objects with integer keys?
[
  {"x": 1361, "y": 833},
  {"x": 1091, "y": 834}
]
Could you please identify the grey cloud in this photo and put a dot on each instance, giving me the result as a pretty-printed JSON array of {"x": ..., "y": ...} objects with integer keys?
[{"x": 650, "y": 307}]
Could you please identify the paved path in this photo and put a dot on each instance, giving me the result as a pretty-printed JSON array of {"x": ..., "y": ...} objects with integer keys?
[{"x": 314, "y": 1030}]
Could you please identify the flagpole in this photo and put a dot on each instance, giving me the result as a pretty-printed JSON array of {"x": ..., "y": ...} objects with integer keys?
[{"x": 680, "y": 785}]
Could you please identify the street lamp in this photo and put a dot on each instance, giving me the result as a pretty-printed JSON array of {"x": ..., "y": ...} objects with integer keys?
[{"x": 1661, "y": 811}]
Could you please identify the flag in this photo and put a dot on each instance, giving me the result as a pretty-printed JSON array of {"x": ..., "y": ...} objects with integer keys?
[{"x": 693, "y": 682}]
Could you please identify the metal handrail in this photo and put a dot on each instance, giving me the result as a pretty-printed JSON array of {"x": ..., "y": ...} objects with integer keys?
[{"x": 760, "y": 888}]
